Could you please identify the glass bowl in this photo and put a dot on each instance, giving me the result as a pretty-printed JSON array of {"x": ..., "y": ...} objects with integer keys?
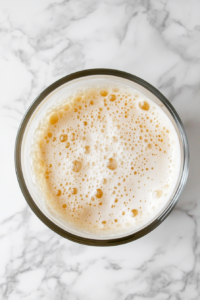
[{"x": 25, "y": 134}]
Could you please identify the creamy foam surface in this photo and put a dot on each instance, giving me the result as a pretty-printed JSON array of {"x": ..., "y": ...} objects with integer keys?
[{"x": 106, "y": 159}]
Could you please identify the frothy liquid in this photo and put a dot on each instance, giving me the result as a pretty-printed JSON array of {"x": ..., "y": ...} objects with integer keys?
[{"x": 107, "y": 159}]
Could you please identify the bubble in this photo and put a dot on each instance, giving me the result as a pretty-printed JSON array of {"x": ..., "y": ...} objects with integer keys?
[
  {"x": 76, "y": 166},
  {"x": 72, "y": 137},
  {"x": 144, "y": 105},
  {"x": 78, "y": 99},
  {"x": 157, "y": 194},
  {"x": 103, "y": 222},
  {"x": 99, "y": 193},
  {"x": 67, "y": 145},
  {"x": 104, "y": 181},
  {"x": 149, "y": 146},
  {"x": 134, "y": 212},
  {"x": 112, "y": 97},
  {"x": 87, "y": 149},
  {"x": 112, "y": 164},
  {"x": 103, "y": 93},
  {"x": 64, "y": 205},
  {"x": 114, "y": 139},
  {"x": 63, "y": 138},
  {"x": 53, "y": 118},
  {"x": 59, "y": 193},
  {"x": 67, "y": 107},
  {"x": 49, "y": 134},
  {"x": 74, "y": 191}
]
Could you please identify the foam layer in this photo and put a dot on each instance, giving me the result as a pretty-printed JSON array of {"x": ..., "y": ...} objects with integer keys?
[{"x": 107, "y": 159}]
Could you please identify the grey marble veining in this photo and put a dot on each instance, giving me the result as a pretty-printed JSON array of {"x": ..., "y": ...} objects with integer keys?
[{"x": 42, "y": 41}]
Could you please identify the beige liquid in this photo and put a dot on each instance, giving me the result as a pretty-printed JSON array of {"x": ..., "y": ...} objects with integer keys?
[{"x": 107, "y": 159}]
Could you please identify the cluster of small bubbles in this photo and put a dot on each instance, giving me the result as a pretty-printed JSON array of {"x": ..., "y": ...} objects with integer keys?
[{"x": 100, "y": 153}]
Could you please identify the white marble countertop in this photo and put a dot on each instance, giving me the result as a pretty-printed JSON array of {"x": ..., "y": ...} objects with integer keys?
[{"x": 44, "y": 40}]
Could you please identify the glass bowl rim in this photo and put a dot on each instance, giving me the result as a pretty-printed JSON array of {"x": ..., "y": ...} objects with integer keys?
[{"x": 29, "y": 199}]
